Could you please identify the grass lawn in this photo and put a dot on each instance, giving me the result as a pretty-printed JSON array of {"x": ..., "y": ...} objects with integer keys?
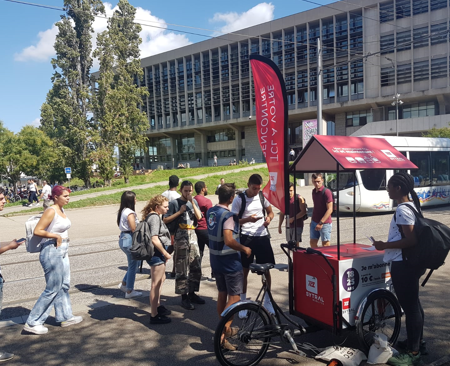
[
  {"x": 157, "y": 176},
  {"x": 239, "y": 178}
]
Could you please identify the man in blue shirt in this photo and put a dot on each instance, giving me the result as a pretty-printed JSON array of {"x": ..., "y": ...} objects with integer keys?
[{"x": 224, "y": 248}]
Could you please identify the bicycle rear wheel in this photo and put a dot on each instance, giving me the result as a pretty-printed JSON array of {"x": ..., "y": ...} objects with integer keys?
[
  {"x": 382, "y": 314},
  {"x": 247, "y": 338}
]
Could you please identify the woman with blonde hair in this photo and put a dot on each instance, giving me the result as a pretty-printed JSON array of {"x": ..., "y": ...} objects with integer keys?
[
  {"x": 54, "y": 227},
  {"x": 152, "y": 213}
]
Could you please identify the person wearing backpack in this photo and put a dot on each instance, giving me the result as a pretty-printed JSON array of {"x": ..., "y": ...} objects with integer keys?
[
  {"x": 127, "y": 220},
  {"x": 405, "y": 277},
  {"x": 54, "y": 227},
  {"x": 297, "y": 208},
  {"x": 5, "y": 356},
  {"x": 251, "y": 206},
  {"x": 160, "y": 236}
]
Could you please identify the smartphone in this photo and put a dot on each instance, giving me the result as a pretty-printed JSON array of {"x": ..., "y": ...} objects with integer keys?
[
  {"x": 370, "y": 238},
  {"x": 20, "y": 240}
]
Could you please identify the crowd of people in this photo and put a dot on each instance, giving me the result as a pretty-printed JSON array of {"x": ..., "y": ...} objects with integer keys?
[{"x": 181, "y": 225}]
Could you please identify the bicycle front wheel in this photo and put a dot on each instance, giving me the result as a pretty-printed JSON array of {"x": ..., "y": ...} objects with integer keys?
[
  {"x": 242, "y": 336},
  {"x": 381, "y": 314}
]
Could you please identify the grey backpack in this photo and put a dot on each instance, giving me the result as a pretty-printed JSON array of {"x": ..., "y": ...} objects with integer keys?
[
  {"x": 32, "y": 242},
  {"x": 142, "y": 247}
]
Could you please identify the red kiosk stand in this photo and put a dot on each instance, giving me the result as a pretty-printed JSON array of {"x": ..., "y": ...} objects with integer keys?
[{"x": 330, "y": 285}]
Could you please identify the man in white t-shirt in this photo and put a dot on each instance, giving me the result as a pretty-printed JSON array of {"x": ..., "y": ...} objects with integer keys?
[
  {"x": 46, "y": 193},
  {"x": 254, "y": 233},
  {"x": 171, "y": 193}
]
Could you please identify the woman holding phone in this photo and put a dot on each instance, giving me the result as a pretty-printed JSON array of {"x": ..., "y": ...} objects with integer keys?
[
  {"x": 405, "y": 277},
  {"x": 54, "y": 227}
]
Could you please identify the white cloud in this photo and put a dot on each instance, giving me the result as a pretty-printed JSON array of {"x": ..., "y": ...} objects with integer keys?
[
  {"x": 154, "y": 40},
  {"x": 43, "y": 50},
  {"x": 36, "y": 122},
  {"x": 260, "y": 13}
]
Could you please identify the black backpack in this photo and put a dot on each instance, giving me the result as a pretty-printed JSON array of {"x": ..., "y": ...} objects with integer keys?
[
  {"x": 241, "y": 211},
  {"x": 142, "y": 247},
  {"x": 433, "y": 243}
]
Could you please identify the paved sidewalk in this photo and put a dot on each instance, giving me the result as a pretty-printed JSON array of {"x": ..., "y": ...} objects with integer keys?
[{"x": 181, "y": 173}]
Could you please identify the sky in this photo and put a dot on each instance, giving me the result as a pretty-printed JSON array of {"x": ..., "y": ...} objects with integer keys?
[{"x": 28, "y": 34}]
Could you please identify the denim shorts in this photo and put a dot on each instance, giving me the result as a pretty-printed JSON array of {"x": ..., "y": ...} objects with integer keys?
[
  {"x": 325, "y": 233},
  {"x": 157, "y": 259}
]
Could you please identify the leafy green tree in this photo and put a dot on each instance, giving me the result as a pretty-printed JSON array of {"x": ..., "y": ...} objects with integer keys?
[
  {"x": 66, "y": 116},
  {"x": 438, "y": 132},
  {"x": 120, "y": 122}
]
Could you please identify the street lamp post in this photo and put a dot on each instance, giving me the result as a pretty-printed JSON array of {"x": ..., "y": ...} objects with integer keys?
[{"x": 396, "y": 102}]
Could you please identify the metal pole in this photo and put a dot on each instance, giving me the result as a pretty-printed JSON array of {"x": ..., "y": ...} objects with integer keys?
[
  {"x": 396, "y": 116},
  {"x": 319, "y": 88}
]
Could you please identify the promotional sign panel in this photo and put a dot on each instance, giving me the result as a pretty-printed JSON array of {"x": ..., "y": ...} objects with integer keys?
[
  {"x": 271, "y": 120},
  {"x": 357, "y": 278}
]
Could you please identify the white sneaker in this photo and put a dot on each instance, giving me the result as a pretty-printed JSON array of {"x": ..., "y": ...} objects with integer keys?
[
  {"x": 122, "y": 287},
  {"x": 73, "y": 320},
  {"x": 243, "y": 314},
  {"x": 37, "y": 329},
  {"x": 132, "y": 294}
]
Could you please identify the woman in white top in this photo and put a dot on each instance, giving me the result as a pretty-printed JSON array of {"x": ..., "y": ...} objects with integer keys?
[
  {"x": 53, "y": 227},
  {"x": 405, "y": 277},
  {"x": 127, "y": 220}
]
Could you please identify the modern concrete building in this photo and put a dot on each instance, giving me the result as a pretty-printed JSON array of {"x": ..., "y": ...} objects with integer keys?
[{"x": 201, "y": 99}]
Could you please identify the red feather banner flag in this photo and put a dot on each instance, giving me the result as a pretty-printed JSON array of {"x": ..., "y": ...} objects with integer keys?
[{"x": 271, "y": 123}]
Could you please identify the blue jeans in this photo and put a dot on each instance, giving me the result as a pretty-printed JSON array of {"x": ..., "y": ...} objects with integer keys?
[
  {"x": 125, "y": 242},
  {"x": 55, "y": 262}
]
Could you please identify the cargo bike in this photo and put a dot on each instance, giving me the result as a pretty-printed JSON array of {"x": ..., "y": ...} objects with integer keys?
[{"x": 341, "y": 288}]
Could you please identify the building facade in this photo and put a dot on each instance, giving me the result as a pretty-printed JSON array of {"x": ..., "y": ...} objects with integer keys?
[{"x": 201, "y": 101}]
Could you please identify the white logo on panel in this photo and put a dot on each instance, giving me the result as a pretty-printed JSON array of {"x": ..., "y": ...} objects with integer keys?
[
  {"x": 311, "y": 284},
  {"x": 388, "y": 153},
  {"x": 273, "y": 181}
]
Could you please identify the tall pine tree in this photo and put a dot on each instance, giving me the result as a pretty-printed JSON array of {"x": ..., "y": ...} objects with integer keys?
[
  {"x": 120, "y": 121},
  {"x": 66, "y": 116}
]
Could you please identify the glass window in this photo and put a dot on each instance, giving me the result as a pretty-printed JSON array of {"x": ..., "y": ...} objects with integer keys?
[
  {"x": 374, "y": 179},
  {"x": 421, "y": 70},
  {"x": 404, "y": 73},
  {"x": 402, "y": 8},
  {"x": 386, "y": 11},
  {"x": 422, "y": 161},
  {"x": 420, "y": 6},
  {"x": 437, "y": 4},
  {"x": 387, "y": 44},
  {"x": 440, "y": 168},
  {"x": 439, "y": 33},
  {"x": 403, "y": 41},
  {"x": 387, "y": 76},
  {"x": 439, "y": 68}
]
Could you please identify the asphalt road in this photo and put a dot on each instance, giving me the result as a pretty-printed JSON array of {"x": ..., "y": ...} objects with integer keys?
[{"x": 116, "y": 330}]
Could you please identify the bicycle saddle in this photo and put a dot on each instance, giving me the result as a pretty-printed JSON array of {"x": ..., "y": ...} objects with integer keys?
[{"x": 261, "y": 268}]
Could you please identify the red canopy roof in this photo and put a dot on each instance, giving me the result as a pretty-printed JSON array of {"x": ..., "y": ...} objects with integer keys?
[{"x": 325, "y": 153}]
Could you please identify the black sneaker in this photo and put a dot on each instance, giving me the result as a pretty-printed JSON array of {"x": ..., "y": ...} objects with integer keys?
[
  {"x": 159, "y": 319},
  {"x": 162, "y": 310},
  {"x": 187, "y": 304},
  {"x": 5, "y": 356},
  {"x": 196, "y": 299},
  {"x": 422, "y": 348}
]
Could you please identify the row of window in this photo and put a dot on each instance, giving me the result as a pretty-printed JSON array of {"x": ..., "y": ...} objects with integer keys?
[
  {"x": 398, "y": 9},
  {"x": 421, "y": 37},
  {"x": 421, "y": 71},
  {"x": 424, "y": 109}
]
